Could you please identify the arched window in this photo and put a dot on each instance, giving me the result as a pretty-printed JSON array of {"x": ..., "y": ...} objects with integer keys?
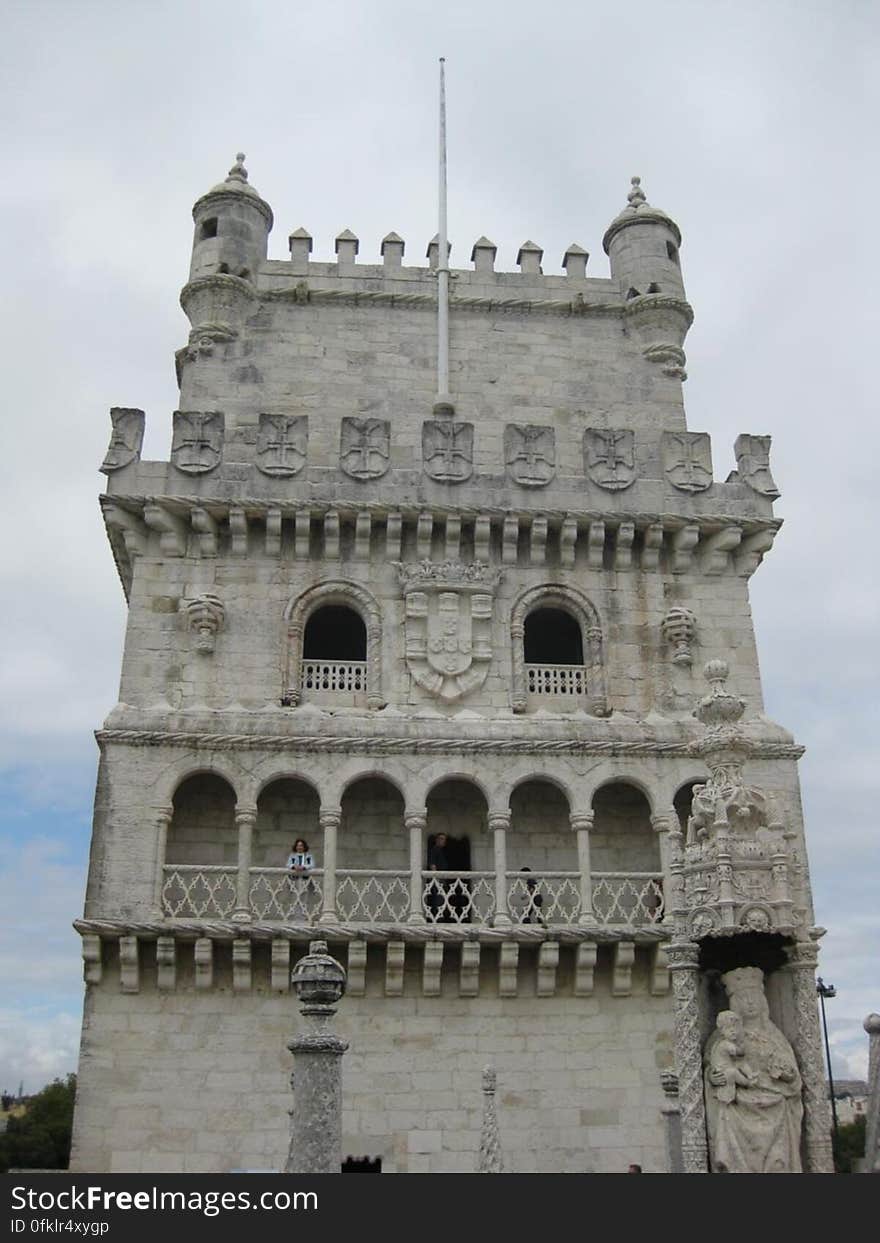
[
  {"x": 558, "y": 653},
  {"x": 334, "y": 647},
  {"x": 335, "y": 632},
  {"x": 552, "y": 637}
]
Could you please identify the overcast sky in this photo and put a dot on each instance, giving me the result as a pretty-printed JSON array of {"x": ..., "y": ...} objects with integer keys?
[{"x": 754, "y": 124}]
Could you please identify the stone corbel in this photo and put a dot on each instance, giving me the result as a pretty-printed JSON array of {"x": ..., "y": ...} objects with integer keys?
[
  {"x": 718, "y": 547},
  {"x": 205, "y": 616},
  {"x": 131, "y": 527},
  {"x": 171, "y": 527}
]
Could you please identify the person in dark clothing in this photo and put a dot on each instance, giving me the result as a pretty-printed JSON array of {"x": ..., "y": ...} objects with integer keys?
[{"x": 436, "y": 890}]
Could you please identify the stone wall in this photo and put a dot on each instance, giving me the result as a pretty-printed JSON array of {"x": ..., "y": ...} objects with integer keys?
[{"x": 197, "y": 1081}]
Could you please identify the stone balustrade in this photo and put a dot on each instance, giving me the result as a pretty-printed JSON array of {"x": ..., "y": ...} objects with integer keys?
[{"x": 377, "y": 896}]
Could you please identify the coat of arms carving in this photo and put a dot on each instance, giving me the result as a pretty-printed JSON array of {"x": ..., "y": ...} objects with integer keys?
[
  {"x": 197, "y": 443},
  {"x": 530, "y": 454},
  {"x": 753, "y": 464},
  {"x": 126, "y": 439},
  {"x": 687, "y": 460},
  {"x": 448, "y": 625},
  {"x": 282, "y": 444},
  {"x": 448, "y": 451},
  {"x": 610, "y": 457},
  {"x": 365, "y": 447}
]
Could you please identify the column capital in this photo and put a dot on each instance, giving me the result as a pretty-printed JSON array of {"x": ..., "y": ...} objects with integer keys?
[
  {"x": 683, "y": 956},
  {"x": 804, "y": 955},
  {"x": 664, "y": 822},
  {"x": 581, "y": 821},
  {"x": 415, "y": 818},
  {"x": 499, "y": 820},
  {"x": 245, "y": 817},
  {"x": 330, "y": 817},
  {"x": 164, "y": 815}
]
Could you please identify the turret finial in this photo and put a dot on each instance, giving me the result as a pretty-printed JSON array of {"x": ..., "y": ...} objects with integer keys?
[
  {"x": 636, "y": 195},
  {"x": 238, "y": 172}
]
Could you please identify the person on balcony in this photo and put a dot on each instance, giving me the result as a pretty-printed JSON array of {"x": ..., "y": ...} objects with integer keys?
[
  {"x": 528, "y": 900},
  {"x": 437, "y": 891},
  {"x": 300, "y": 860}
]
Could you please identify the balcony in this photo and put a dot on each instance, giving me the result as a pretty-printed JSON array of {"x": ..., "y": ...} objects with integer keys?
[
  {"x": 388, "y": 897},
  {"x": 335, "y": 681},
  {"x": 556, "y": 686}
]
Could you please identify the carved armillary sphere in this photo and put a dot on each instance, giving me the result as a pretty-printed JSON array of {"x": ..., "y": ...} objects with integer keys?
[{"x": 319, "y": 980}]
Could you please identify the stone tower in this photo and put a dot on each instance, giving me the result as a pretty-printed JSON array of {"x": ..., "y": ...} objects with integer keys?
[{"x": 459, "y": 652}]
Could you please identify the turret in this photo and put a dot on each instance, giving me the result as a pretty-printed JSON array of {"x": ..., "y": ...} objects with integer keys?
[
  {"x": 642, "y": 244},
  {"x": 232, "y": 226}
]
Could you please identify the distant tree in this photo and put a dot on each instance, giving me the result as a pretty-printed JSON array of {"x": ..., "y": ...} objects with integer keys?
[
  {"x": 40, "y": 1138},
  {"x": 849, "y": 1145}
]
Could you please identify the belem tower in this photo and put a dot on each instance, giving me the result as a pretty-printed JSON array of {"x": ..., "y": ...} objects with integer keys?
[{"x": 489, "y": 661}]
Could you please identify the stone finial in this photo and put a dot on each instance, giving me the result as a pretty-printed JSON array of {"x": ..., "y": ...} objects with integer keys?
[
  {"x": 238, "y": 172},
  {"x": 347, "y": 246},
  {"x": 392, "y": 249},
  {"x": 636, "y": 196},
  {"x": 319, "y": 981},
  {"x": 720, "y": 706},
  {"x": 529, "y": 257},
  {"x": 205, "y": 615},
  {"x": 679, "y": 628},
  {"x": 483, "y": 255},
  {"x": 300, "y": 242},
  {"x": 574, "y": 261},
  {"x": 433, "y": 251},
  {"x": 872, "y": 1025}
]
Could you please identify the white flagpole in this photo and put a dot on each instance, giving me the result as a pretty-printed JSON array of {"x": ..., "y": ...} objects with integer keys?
[{"x": 443, "y": 398}]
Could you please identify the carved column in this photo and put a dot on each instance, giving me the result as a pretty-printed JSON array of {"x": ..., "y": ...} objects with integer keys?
[
  {"x": 872, "y": 1121},
  {"x": 807, "y": 1044},
  {"x": 329, "y": 819},
  {"x": 489, "y": 1161},
  {"x": 499, "y": 823},
  {"x": 683, "y": 965},
  {"x": 518, "y": 682},
  {"x": 294, "y": 662},
  {"x": 316, "y": 1117},
  {"x": 245, "y": 819},
  {"x": 675, "y": 908},
  {"x": 416, "y": 822},
  {"x": 662, "y": 826},
  {"x": 671, "y": 1122},
  {"x": 582, "y": 823},
  {"x": 163, "y": 820},
  {"x": 598, "y": 694},
  {"x": 374, "y": 665}
]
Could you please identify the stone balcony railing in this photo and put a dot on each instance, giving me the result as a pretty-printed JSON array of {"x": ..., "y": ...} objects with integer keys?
[
  {"x": 339, "y": 680},
  {"x": 395, "y": 896},
  {"x": 566, "y": 682}
]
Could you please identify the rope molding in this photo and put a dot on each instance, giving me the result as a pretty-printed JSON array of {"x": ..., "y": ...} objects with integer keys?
[
  {"x": 365, "y": 745},
  {"x": 381, "y": 509},
  {"x": 415, "y": 934}
]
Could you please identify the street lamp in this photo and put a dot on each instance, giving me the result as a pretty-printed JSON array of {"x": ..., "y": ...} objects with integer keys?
[{"x": 828, "y": 990}]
